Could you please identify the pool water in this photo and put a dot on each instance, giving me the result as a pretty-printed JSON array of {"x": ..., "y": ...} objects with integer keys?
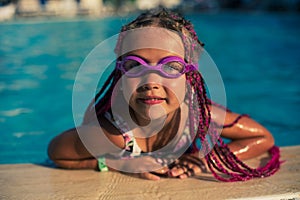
[{"x": 256, "y": 53}]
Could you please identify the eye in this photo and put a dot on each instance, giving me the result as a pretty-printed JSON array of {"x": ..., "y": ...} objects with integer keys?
[
  {"x": 173, "y": 67},
  {"x": 130, "y": 64}
]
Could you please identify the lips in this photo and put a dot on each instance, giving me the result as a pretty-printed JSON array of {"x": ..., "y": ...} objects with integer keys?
[{"x": 152, "y": 100}]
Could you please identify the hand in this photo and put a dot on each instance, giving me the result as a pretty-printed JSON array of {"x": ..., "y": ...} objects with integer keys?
[
  {"x": 186, "y": 166},
  {"x": 154, "y": 175},
  {"x": 140, "y": 167}
]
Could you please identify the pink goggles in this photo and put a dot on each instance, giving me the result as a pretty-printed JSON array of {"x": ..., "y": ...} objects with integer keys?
[{"x": 169, "y": 67}]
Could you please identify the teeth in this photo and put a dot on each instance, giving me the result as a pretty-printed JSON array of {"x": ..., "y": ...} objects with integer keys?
[{"x": 154, "y": 99}]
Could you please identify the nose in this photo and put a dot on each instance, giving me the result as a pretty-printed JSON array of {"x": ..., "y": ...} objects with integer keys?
[
  {"x": 150, "y": 86},
  {"x": 151, "y": 81}
]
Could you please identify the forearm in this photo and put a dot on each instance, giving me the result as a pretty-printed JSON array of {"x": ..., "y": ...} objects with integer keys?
[
  {"x": 77, "y": 164},
  {"x": 250, "y": 147},
  {"x": 248, "y": 138},
  {"x": 69, "y": 150}
]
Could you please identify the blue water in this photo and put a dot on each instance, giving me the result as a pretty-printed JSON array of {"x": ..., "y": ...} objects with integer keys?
[{"x": 256, "y": 53}]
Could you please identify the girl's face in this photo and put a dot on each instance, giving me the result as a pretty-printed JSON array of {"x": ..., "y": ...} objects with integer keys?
[{"x": 152, "y": 96}]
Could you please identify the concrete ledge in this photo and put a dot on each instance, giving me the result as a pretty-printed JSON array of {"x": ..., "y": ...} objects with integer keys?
[{"x": 30, "y": 181}]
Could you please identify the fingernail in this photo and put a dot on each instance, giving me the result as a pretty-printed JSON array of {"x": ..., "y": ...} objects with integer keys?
[{"x": 173, "y": 173}]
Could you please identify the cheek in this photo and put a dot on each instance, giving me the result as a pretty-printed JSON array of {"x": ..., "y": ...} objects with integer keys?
[
  {"x": 177, "y": 89},
  {"x": 129, "y": 87}
]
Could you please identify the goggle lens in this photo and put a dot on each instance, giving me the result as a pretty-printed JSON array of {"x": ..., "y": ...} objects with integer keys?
[{"x": 170, "y": 67}]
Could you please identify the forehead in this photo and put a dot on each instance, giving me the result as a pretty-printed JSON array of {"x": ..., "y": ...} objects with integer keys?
[
  {"x": 153, "y": 55},
  {"x": 152, "y": 38}
]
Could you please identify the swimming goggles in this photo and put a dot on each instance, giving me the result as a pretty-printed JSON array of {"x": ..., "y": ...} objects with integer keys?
[{"x": 169, "y": 67}]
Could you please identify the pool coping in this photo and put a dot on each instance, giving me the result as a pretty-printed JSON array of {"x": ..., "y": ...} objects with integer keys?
[{"x": 32, "y": 181}]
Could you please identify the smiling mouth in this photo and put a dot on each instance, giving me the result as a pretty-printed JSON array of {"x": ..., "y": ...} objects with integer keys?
[{"x": 152, "y": 100}]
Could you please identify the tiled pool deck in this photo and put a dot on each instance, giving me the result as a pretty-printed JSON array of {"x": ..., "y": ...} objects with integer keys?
[{"x": 30, "y": 181}]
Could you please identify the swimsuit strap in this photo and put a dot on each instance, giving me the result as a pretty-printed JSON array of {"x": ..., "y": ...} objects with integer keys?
[{"x": 130, "y": 142}]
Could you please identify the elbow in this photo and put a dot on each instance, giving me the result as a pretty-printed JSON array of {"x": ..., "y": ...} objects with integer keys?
[
  {"x": 53, "y": 155},
  {"x": 267, "y": 141},
  {"x": 54, "y": 152},
  {"x": 51, "y": 151},
  {"x": 270, "y": 141}
]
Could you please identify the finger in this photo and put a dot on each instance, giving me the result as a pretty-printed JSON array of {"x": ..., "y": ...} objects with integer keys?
[
  {"x": 177, "y": 171},
  {"x": 192, "y": 169},
  {"x": 197, "y": 170},
  {"x": 163, "y": 170},
  {"x": 185, "y": 171},
  {"x": 188, "y": 173},
  {"x": 183, "y": 176},
  {"x": 149, "y": 176}
]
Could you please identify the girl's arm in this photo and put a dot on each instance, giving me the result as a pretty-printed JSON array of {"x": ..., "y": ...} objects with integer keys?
[
  {"x": 72, "y": 150},
  {"x": 248, "y": 138},
  {"x": 67, "y": 151}
]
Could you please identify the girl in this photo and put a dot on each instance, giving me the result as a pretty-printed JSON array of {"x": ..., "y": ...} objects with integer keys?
[{"x": 152, "y": 116}]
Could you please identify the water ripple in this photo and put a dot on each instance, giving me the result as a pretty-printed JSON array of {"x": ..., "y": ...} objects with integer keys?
[
  {"x": 15, "y": 112},
  {"x": 31, "y": 133}
]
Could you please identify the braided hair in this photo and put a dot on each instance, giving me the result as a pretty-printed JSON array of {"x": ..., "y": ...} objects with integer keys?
[{"x": 223, "y": 164}]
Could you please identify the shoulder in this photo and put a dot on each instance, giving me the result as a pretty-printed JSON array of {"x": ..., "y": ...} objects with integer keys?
[{"x": 103, "y": 125}]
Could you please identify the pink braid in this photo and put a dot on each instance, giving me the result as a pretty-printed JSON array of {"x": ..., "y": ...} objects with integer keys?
[{"x": 221, "y": 159}]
